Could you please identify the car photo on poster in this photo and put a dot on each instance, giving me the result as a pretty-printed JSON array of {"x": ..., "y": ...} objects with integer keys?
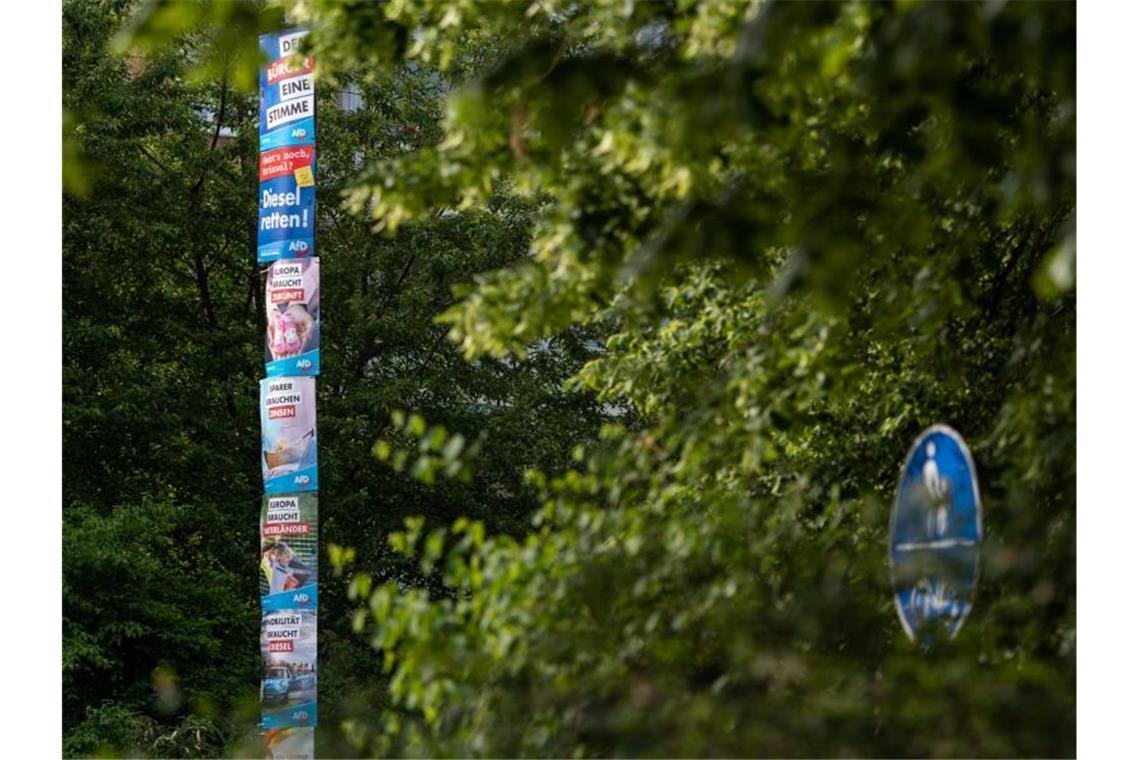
[
  {"x": 275, "y": 685},
  {"x": 289, "y": 681},
  {"x": 288, "y": 684}
]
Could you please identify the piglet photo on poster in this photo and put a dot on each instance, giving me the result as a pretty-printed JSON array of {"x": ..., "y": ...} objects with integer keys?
[{"x": 293, "y": 318}]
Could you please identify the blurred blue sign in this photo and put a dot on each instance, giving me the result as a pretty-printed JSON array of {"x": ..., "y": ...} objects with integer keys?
[{"x": 935, "y": 535}]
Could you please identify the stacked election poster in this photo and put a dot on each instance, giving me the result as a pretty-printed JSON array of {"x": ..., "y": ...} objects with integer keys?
[
  {"x": 286, "y": 241},
  {"x": 293, "y": 318},
  {"x": 287, "y": 197},
  {"x": 289, "y": 552},
  {"x": 289, "y": 680},
  {"x": 289, "y": 434}
]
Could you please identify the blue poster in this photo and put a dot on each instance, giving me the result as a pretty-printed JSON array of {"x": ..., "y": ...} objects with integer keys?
[
  {"x": 288, "y": 105},
  {"x": 935, "y": 535},
  {"x": 287, "y": 197},
  {"x": 286, "y": 218}
]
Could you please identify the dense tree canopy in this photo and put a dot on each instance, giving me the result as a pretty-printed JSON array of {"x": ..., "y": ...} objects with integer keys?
[
  {"x": 633, "y": 311},
  {"x": 162, "y": 358}
]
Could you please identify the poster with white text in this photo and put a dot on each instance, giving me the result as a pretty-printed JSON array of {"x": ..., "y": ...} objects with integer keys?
[
  {"x": 289, "y": 552},
  {"x": 293, "y": 318},
  {"x": 288, "y": 114},
  {"x": 289, "y": 434},
  {"x": 287, "y": 196},
  {"x": 289, "y": 660}
]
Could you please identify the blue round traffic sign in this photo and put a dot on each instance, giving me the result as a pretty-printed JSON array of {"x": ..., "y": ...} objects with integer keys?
[{"x": 935, "y": 534}]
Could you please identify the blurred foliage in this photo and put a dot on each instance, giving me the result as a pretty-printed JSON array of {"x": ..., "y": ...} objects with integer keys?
[
  {"x": 220, "y": 38},
  {"x": 111, "y": 729},
  {"x": 711, "y": 266},
  {"x": 809, "y": 230}
]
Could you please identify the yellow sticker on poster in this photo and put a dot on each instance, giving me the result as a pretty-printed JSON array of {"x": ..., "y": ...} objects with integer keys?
[{"x": 304, "y": 176}]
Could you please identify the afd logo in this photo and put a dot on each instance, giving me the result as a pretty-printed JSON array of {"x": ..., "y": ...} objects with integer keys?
[
  {"x": 299, "y": 133},
  {"x": 304, "y": 363},
  {"x": 301, "y": 480},
  {"x": 298, "y": 246},
  {"x": 300, "y": 716},
  {"x": 301, "y": 598}
]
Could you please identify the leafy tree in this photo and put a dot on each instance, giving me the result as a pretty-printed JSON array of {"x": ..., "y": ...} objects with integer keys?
[
  {"x": 162, "y": 358},
  {"x": 159, "y": 476},
  {"x": 810, "y": 230},
  {"x": 766, "y": 243}
]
